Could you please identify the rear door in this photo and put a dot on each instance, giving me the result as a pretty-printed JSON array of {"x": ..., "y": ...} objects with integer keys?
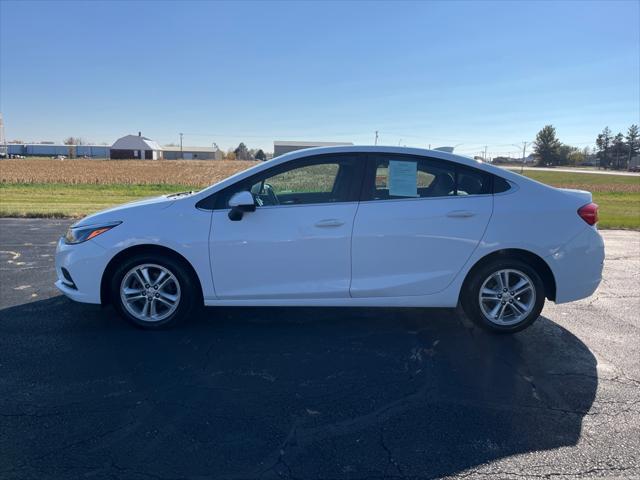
[{"x": 419, "y": 222}]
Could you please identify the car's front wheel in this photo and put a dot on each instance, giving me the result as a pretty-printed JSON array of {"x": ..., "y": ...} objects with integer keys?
[
  {"x": 504, "y": 296},
  {"x": 153, "y": 292}
]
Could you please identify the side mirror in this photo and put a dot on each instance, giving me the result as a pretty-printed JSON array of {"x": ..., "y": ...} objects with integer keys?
[{"x": 240, "y": 203}]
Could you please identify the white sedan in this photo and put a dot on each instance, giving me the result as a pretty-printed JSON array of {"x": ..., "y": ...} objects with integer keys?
[{"x": 343, "y": 226}]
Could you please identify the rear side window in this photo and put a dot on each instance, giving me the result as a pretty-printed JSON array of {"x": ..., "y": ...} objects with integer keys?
[{"x": 399, "y": 176}]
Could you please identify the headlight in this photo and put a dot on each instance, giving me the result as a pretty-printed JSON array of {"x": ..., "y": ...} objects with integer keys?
[{"x": 82, "y": 234}]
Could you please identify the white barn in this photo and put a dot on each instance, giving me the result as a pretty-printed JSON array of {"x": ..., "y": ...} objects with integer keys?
[{"x": 136, "y": 147}]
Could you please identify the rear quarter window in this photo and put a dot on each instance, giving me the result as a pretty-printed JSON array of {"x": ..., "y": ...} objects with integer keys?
[
  {"x": 500, "y": 185},
  {"x": 472, "y": 182}
]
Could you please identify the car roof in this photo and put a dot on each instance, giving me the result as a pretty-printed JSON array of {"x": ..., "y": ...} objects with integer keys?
[
  {"x": 377, "y": 149},
  {"x": 423, "y": 152}
]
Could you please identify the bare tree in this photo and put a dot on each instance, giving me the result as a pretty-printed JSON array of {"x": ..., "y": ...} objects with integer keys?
[{"x": 74, "y": 141}]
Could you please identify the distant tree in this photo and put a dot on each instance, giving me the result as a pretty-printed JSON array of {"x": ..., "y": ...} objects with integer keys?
[
  {"x": 242, "y": 153},
  {"x": 564, "y": 152},
  {"x": 546, "y": 148},
  {"x": 73, "y": 141},
  {"x": 619, "y": 149},
  {"x": 260, "y": 155},
  {"x": 587, "y": 155},
  {"x": 230, "y": 155},
  {"x": 603, "y": 142},
  {"x": 576, "y": 157},
  {"x": 633, "y": 143}
]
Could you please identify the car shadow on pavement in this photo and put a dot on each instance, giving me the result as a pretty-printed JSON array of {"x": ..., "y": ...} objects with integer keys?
[{"x": 269, "y": 392}]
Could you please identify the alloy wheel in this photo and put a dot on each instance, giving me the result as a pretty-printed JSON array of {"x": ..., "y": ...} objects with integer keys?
[
  {"x": 150, "y": 292},
  {"x": 507, "y": 297}
]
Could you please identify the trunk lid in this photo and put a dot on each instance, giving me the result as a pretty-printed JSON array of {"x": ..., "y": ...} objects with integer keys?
[{"x": 581, "y": 195}]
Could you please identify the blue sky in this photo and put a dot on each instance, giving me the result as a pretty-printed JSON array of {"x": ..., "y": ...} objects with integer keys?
[{"x": 439, "y": 73}]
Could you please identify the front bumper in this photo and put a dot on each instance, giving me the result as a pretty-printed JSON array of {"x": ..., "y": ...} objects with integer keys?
[
  {"x": 85, "y": 263},
  {"x": 577, "y": 267}
]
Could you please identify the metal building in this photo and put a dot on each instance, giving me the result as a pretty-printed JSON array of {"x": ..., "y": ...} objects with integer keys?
[
  {"x": 55, "y": 149},
  {"x": 191, "y": 153}
]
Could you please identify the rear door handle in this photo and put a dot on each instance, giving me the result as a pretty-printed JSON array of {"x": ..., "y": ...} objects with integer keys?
[
  {"x": 330, "y": 222},
  {"x": 460, "y": 214}
]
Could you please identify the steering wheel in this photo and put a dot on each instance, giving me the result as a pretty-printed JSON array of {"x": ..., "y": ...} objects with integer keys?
[{"x": 271, "y": 194}]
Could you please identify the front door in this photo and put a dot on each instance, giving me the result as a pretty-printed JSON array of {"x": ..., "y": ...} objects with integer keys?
[
  {"x": 420, "y": 221},
  {"x": 297, "y": 244}
]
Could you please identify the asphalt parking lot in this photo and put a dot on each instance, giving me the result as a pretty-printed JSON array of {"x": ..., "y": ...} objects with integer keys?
[{"x": 313, "y": 393}]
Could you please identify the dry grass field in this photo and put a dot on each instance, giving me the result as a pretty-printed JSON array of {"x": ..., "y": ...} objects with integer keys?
[
  {"x": 73, "y": 188},
  {"x": 191, "y": 173}
]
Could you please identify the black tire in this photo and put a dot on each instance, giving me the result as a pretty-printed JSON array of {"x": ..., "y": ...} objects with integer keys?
[
  {"x": 187, "y": 304},
  {"x": 471, "y": 293}
]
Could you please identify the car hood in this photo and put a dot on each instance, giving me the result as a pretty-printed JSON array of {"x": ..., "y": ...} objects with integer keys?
[{"x": 122, "y": 212}]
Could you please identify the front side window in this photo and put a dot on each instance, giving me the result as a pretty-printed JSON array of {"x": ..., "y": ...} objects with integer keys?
[
  {"x": 326, "y": 179},
  {"x": 309, "y": 184},
  {"x": 398, "y": 177}
]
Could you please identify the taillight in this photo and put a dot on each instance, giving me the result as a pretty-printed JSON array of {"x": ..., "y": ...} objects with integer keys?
[{"x": 589, "y": 213}]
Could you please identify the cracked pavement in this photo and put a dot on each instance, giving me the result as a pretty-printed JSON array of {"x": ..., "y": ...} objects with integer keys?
[{"x": 303, "y": 393}]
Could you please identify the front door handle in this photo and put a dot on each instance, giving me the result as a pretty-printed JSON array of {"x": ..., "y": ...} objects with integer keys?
[
  {"x": 460, "y": 214},
  {"x": 330, "y": 222}
]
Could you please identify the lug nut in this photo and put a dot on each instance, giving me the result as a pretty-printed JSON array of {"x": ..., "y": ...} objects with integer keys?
[
  {"x": 157, "y": 295},
  {"x": 510, "y": 301},
  {"x": 505, "y": 290},
  {"x": 503, "y": 302},
  {"x": 155, "y": 286},
  {"x": 146, "y": 285},
  {"x": 499, "y": 295}
]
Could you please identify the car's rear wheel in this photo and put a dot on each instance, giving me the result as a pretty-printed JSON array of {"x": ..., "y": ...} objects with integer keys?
[
  {"x": 153, "y": 292},
  {"x": 503, "y": 296}
]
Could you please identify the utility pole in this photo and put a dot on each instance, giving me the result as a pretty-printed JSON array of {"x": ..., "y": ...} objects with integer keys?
[
  {"x": 376, "y": 140},
  {"x": 524, "y": 155},
  {"x": 4, "y": 151},
  {"x": 484, "y": 157}
]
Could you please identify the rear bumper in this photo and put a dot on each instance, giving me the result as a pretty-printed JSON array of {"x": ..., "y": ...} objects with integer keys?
[
  {"x": 84, "y": 263},
  {"x": 577, "y": 266}
]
